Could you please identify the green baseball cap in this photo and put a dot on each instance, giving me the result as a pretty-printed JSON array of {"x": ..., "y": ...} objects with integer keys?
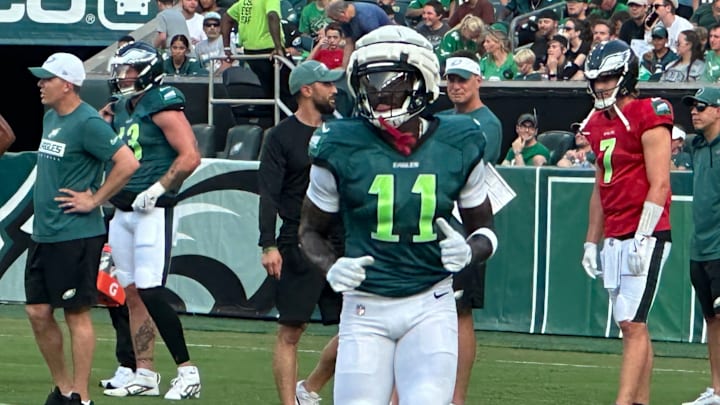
[
  {"x": 309, "y": 72},
  {"x": 707, "y": 95}
]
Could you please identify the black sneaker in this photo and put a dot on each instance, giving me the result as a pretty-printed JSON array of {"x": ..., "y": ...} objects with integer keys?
[
  {"x": 56, "y": 398},
  {"x": 74, "y": 399}
]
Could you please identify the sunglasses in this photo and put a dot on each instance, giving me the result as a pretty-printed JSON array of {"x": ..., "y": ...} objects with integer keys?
[
  {"x": 700, "y": 107},
  {"x": 569, "y": 28},
  {"x": 657, "y": 6},
  {"x": 211, "y": 24}
]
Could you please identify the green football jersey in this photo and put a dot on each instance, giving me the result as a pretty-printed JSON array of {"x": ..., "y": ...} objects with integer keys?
[
  {"x": 389, "y": 201},
  {"x": 72, "y": 154},
  {"x": 137, "y": 129}
]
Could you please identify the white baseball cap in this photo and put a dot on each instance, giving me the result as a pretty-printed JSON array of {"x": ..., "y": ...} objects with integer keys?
[
  {"x": 678, "y": 133},
  {"x": 63, "y": 65}
]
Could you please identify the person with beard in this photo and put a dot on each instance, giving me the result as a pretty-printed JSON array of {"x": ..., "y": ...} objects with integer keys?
[
  {"x": 283, "y": 177},
  {"x": 547, "y": 23}
]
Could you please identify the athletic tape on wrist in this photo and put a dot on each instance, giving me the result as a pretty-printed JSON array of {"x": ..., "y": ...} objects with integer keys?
[
  {"x": 488, "y": 233},
  {"x": 649, "y": 218}
]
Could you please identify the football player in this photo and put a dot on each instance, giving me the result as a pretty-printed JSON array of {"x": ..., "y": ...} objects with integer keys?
[
  {"x": 394, "y": 177},
  {"x": 630, "y": 203},
  {"x": 149, "y": 118}
]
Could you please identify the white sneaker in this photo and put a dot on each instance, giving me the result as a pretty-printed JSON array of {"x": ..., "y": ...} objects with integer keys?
[
  {"x": 305, "y": 397},
  {"x": 706, "y": 398},
  {"x": 122, "y": 377},
  {"x": 145, "y": 383},
  {"x": 186, "y": 385}
]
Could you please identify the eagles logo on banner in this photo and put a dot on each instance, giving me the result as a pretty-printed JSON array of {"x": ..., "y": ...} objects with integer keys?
[
  {"x": 71, "y": 22},
  {"x": 215, "y": 267}
]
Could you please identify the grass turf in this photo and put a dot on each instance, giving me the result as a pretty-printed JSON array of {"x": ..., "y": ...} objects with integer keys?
[{"x": 235, "y": 358}]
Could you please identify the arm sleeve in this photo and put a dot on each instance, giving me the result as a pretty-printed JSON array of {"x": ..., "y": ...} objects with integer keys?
[
  {"x": 322, "y": 190},
  {"x": 270, "y": 177},
  {"x": 474, "y": 192}
]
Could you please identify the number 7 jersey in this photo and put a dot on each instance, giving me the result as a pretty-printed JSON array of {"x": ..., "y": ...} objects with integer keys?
[
  {"x": 389, "y": 201},
  {"x": 623, "y": 182}
]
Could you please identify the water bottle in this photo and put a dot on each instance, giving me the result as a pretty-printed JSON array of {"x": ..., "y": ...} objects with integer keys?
[
  {"x": 106, "y": 261},
  {"x": 233, "y": 41}
]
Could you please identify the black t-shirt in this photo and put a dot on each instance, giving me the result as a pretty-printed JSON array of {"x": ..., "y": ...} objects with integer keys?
[
  {"x": 283, "y": 178},
  {"x": 629, "y": 31}
]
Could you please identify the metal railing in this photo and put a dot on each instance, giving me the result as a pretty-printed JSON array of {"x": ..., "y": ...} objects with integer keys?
[
  {"x": 525, "y": 18},
  {"x": 276, "y": 102}
]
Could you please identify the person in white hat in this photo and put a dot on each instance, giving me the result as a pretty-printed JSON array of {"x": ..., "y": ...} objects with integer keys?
[
  {"x": 679, "y": 159},
  {"x": 68, "y": 229}
]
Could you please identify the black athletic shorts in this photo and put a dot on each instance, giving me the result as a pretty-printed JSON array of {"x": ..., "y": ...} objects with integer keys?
[
  {"x": 301, "y": 287},
  {"x": 705, "y": 278},
  {"x": 63, "y": 274},
  {"x": 471, "y": 281}
]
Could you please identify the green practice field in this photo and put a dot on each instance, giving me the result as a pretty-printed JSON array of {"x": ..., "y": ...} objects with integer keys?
[{"x": 235, "y": 357}]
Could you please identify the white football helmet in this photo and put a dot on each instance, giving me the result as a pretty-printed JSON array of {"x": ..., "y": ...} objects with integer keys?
[{"x": 393, "y": 74}]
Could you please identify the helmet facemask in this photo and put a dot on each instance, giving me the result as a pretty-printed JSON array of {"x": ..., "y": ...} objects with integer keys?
[
  {"x": 611, "y": 59},
  {"x": 604, "y": 99},
  {"x": 146, "y": 62},
  {"x": 389, "y": 92},
  {"x": 394, "y": 75}
]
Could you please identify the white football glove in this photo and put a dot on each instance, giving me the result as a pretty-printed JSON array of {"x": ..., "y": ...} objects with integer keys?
[
  {"x": 589, "y": 260},
  {"x": 146, "y": 200},
  {"x": 640, "y": 254},
  {"x": 347, "y": 273},
  {"x": 454, "y": 250}
]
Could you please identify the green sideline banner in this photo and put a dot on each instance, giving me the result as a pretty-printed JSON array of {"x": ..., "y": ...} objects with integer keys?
[
  {"x": 534, "y": 283},
  {"x": 71, "y": 22}
]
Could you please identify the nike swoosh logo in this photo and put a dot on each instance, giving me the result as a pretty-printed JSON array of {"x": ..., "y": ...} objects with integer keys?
[
  {"x": 324, "y": 129},
  {"x": 438, "y": 296}
]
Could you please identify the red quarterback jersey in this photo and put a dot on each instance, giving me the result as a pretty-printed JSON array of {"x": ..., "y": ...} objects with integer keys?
[{"x": 623, "y": 183}]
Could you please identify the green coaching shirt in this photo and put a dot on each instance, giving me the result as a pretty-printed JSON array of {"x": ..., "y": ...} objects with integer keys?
[
  {"x": 72, "y": 154},
  {"x": 491, "y": 127},
  {"x": 389, "y": 201},
  {"x": 253, "y": 28},
  {"x": 705, "y": 243}
]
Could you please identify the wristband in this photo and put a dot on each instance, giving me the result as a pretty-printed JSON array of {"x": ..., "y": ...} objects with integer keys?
[
  {"x": 490, "y": 235},
  {"x": 269, "y": 249},
  {"x": 156, "y": 189}
]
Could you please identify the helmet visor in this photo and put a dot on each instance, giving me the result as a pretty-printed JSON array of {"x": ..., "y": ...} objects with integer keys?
[{"x": 387, "y": 90}]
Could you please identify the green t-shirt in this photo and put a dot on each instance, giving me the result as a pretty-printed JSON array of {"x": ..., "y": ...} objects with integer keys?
[
  {"x": 253, "y": 29},
  {"x": 73, "y": 152},
  {"x": 530, "y": 152},
  {"x": 712, "y": 67},
  {"x": 600, "y": 13},
  {"x": 191, "y": 67},
  {"x": 421, "y": 3},
  {"x": 389, "y": 201},
  {"x": 452, "y": 41},
  {"x": 492, "y": 129},
  {"x": 137, "y": 129},
  {"x": 312, "y": 19},
  {"x": 705, "y": 243},
  {"x": 492, "y": 72}
]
